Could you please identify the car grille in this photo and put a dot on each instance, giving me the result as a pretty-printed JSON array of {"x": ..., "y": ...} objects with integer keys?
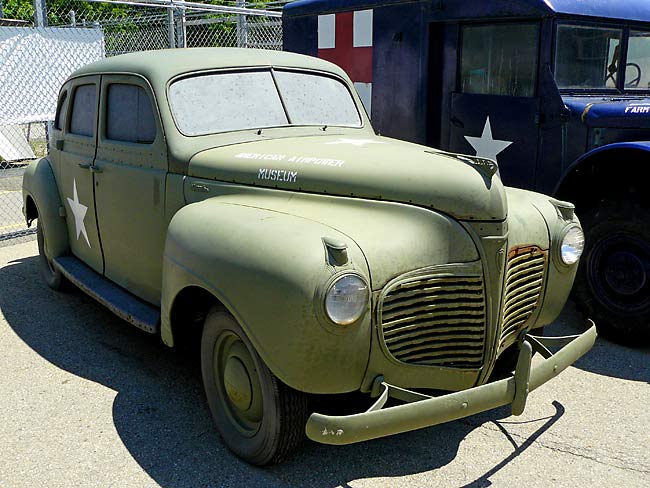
[
  {"x": 523, "y": 285},
  {"x": 436, "y": 320}
]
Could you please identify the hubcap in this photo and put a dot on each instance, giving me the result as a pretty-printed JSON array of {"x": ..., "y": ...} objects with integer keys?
[
  {"x": 619, "y": 271},
  {"x": 238, "y": 383}
]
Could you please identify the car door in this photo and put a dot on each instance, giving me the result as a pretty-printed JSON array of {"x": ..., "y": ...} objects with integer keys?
[
  {"x": 74, "y": 152},
  {"x": 130, "y": 185},
  {"x": 495, "y": 110}
]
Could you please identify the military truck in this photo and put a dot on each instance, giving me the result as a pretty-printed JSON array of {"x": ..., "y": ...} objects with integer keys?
[
  {"x": 241, "y": 199},
  {"x": 556, "y": 91}
]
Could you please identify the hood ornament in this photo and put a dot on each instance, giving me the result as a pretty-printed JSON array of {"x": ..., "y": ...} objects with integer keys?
[{"x": 487, "y": 167}]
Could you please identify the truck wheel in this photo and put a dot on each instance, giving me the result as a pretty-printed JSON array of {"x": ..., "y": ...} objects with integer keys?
[
  {"x": 53, "y": 277},
  {"x": 613, "y": 280},
  {"x": 260, "y": 418}
]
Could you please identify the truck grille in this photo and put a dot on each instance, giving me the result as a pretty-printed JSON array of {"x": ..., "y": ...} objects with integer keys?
[
  {"x": 523, "y": 284},
  {"x": 436, "y": 320}
]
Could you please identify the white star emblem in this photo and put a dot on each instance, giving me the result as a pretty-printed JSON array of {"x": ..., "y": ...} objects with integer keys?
[
  {"x": 354, "y": 142},
  {"x": 485, "y": 146},
  {"x": 79, "y": 212}
]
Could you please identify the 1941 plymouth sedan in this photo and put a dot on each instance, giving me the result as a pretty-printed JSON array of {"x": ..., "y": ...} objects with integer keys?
[{"x": 241, "y": 199}]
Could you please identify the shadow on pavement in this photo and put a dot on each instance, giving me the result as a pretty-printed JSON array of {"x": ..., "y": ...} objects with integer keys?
[
  {"x": 160, "y": 412},
  {"x": 605, "y": 358}
]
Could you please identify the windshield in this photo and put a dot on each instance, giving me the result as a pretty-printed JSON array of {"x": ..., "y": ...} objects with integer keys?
[
  {"x": 589, "y": 57},
  {"x": 229, "y": 101}
]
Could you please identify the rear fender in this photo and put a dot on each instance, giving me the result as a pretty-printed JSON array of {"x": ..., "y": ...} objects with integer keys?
[
  {"x": 40, "y": 189},
  {"x": 270, "y": 270}
]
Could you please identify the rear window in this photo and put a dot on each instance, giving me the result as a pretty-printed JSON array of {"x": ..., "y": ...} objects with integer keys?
[{"x": 230, "y": 101}]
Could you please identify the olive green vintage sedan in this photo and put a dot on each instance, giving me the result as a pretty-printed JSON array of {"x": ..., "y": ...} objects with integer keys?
[{"x": 240, "y": 200}]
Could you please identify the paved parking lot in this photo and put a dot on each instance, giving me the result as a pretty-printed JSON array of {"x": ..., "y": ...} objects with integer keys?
[{"x": 88, "y": 400}]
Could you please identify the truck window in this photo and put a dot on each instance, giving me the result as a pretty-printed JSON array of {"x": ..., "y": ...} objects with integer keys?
[
  {"x": 499, "y": 59},
  {"x": 129, "y": 116},
  {"x": 82, "y": 119},
  {"x": 637, "y": 69},
  {"x": 587, "y": 57}
]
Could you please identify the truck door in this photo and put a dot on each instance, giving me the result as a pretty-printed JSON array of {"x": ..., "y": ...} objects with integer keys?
[
  {"x": 75, "y": 154},
  {"x": 130, "y": 185},
  {"x": 495, "y": 110}
]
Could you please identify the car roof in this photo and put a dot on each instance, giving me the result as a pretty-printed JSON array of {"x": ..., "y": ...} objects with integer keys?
[
  {"x": 161, "y": 65},
  {"x": 633, "y": 10}
]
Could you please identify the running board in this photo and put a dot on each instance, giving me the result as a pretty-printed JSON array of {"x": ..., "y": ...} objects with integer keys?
[{"x": 117, "y": 300}]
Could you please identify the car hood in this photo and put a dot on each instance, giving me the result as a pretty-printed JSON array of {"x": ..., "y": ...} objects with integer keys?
[{"x": 366, "y": 167}]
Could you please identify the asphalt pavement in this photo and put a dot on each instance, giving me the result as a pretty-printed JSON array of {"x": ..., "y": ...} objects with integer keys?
[{"x": 90, "y": 401}]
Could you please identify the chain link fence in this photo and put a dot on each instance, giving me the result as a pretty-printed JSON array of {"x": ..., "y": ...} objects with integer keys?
[{"x": 43, "y": 41}]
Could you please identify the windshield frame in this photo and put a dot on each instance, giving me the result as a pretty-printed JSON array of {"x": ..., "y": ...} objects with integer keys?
[
  {"x": 625, "y": 28},
  {"x": 271, "y": 69}
]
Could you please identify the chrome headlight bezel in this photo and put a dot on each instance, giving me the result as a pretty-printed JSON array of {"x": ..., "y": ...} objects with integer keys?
[
  {"x": 338, "y": 285},
  {"x": 571, "y": 245}
]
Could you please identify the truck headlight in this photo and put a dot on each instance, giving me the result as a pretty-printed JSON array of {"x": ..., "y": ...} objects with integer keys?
[
  {"x": 346, "y": 299},
  {"x": 572, "y": 245}
]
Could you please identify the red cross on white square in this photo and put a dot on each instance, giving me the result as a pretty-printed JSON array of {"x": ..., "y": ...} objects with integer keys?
[{"x": 346, "y": 39}]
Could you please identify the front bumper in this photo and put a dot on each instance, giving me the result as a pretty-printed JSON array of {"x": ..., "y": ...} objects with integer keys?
[{"x": 425, "y": 411}]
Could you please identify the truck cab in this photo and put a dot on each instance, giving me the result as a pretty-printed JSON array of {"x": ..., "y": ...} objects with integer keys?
[{"x": 556, "y": 91}]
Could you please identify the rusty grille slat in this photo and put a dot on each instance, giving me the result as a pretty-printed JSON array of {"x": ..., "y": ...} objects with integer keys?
[
  {"x": 524, "y": 280},
  {"x": 435, "y": 320}
]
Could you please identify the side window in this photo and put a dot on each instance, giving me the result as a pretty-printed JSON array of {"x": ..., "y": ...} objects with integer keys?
[
  {"x": 129, "y": 115},
  {"x": 61, "y": 109},
  {"x": 499, "y": 59},
  {"x": 82, "y": 119}
]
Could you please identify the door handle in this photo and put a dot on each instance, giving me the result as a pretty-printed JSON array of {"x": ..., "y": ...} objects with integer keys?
[{"x": 91, "y": 167}]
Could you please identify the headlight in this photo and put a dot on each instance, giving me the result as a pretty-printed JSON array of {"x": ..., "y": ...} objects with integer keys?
[
  {"x": 346, "y": 299},
  {"x": 572, "y": 245}
]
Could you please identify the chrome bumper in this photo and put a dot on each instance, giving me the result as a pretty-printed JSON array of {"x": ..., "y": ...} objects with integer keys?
[{"x": 425, "y": 411}]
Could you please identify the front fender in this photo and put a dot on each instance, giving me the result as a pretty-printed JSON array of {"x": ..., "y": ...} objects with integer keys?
[
  {"x": 40, "y": 186},
  {"x": 617, "y": 148},
  {"x": 269, "y": 270}
]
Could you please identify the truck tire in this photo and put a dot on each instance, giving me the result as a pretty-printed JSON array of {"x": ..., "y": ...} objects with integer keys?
[
  {"x": 613, "y": 281},
  {"x": 261, "y": 419},
  {"x": 53, "y": 277}
]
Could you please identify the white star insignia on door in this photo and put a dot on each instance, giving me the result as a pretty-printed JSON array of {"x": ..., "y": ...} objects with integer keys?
[
  {"x": 355, "y": 142},
  {"x": 486, "y": 146},
  {"x": 79, "y": 212}
]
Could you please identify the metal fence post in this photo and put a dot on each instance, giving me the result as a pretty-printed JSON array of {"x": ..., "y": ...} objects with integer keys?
[
  {"x": 242, "y": 26},
  {"x": 40, "y": 13},
  {"x": 2, "y": 14},
  {"x": 171, "y": 27},
  {"x": 181, "y": 27}
]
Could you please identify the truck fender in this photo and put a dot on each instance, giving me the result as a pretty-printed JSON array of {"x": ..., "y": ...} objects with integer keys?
[
  {"x": 623, "y": 152},
  {"x": 270, "y": 270},
  {"x": 41, "y": 200}
]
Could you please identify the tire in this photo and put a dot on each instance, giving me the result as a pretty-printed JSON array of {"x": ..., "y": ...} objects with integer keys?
[
  {"x": 53, "y": 277},
  {"x": 613, "y": 281},
  {"x": 259, "y": 418}
]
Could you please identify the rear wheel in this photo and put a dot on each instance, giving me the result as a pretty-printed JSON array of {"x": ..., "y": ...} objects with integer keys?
[
  {"x": 260, "y": 419},
  {"x": 53, "y": 277},
  {"x": 613, "y": 281}
]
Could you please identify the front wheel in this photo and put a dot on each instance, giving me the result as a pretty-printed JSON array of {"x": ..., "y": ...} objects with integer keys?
[
  {"x": 613, "y": 280},
  {"x": 53, "y": 277},
  {"x": 260, "y": 418}
]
